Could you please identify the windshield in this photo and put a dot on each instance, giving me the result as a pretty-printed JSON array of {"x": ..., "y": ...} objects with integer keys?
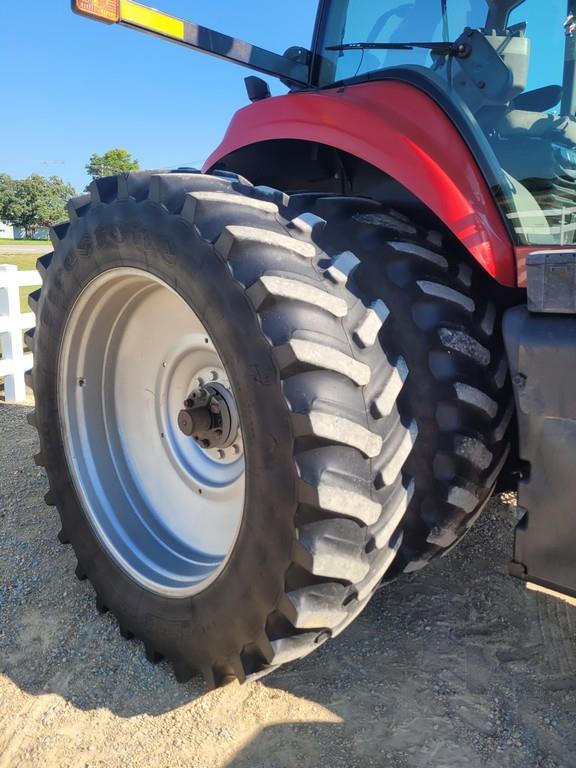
[
  {"x": 374, "y": 21},
  {"x": 516, "y": 84}
]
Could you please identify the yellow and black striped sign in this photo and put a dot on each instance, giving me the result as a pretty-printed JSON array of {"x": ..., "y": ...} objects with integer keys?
[
  {"x": 134, "y": 14},
  {"x": 141, "y": 17},
  {"x": 151, "y": 20}
]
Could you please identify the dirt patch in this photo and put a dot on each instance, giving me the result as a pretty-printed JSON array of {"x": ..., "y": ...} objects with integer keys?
[
  {"x": 28, "y": 249},
  {"x": 455, "y": 666}
]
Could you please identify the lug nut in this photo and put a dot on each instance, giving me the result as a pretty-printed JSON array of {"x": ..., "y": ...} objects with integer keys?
[{"x": 520, "y": 380}]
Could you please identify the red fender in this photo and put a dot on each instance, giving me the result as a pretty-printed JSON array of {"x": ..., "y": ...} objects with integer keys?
[{"x": 402, "y": 131}]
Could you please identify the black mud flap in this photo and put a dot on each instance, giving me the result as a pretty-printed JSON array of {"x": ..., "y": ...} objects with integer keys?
[{"x": 542, "y": 355}]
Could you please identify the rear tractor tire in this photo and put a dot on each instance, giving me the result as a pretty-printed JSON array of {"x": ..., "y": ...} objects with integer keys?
[
  {"x": 217, "y": 420},
  {"x": 253, "y": 409},
  {"x": 451, "y": 383}
]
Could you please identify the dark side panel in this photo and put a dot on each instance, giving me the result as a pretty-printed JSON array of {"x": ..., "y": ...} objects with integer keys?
[{"x": 542, "y": 355}]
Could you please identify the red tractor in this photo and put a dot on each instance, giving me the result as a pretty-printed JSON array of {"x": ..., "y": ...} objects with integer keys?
[{"x": 259, "y": 400}]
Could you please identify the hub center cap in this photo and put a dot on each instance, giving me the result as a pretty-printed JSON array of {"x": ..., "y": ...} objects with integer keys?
[{"x": 210, "y": 417}]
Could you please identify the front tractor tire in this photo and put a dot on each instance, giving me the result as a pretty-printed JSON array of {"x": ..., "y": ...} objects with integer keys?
[{"x": 218, "y": 421}]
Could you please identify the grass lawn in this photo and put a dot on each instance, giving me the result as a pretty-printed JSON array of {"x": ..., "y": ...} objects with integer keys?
[{"x": 23, "y": 261}]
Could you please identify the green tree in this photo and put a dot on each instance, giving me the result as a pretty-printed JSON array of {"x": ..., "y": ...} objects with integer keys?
[
  {"x": 34, "y": 202},
  {"x": 6, "y": 190},
  {"x": 112, "y": 162}
]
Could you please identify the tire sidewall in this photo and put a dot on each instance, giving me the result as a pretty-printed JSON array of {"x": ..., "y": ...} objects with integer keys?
[{"x": 231, "y": 612}]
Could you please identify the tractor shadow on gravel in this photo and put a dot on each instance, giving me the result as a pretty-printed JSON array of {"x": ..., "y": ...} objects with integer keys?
[{"x": 456, "y": 665}]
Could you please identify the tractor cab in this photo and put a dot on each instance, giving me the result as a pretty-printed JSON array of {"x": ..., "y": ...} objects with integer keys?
[{"x": 506, "y": 65}]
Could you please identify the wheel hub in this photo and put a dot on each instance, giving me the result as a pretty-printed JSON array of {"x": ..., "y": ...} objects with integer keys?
[{"x": 210, "y": 417}]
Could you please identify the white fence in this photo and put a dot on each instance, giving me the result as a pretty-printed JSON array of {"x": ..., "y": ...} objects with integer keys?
[{"x": 13, "y": 322}]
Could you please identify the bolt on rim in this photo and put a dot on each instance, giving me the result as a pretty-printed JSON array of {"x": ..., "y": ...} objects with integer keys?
[{"x": 167, "y": 508}]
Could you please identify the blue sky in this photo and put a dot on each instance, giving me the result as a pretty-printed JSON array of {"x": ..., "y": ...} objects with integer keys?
[{"x": 71, "y": 87}]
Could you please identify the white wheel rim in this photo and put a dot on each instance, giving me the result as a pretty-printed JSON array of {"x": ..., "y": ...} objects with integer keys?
[{"x": 166, "y": 510}]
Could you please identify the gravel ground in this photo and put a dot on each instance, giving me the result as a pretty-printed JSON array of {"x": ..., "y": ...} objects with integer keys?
[{"x": 456, "y": 666}]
